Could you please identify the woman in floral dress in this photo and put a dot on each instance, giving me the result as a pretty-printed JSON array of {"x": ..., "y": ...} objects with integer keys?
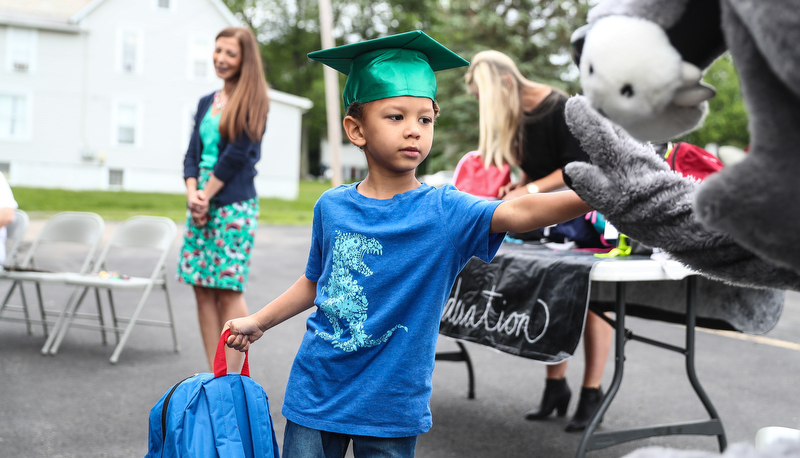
[{"x": 219, "y": 170}]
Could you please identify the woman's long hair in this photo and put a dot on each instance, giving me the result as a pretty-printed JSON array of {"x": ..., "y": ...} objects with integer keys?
[
  {"x": 247, "y": 108},
  {"x": 496, "y": 80}
]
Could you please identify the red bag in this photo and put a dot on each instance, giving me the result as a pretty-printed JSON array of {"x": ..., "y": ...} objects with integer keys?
[
  {"x": 692, "y": 161},
  {"x": 473, "y": 177}
]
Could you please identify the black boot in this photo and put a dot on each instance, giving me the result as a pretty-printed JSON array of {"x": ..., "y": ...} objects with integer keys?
[
  {"x": 588, "y": 403},
  {"x": 556, "y": 396}
]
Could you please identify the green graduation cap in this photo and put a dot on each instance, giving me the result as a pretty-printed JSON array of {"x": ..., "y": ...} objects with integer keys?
[{"x": 391, "y": 66}]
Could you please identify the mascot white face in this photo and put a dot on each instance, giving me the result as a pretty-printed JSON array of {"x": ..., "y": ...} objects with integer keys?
[{"x": 631, "y": 73}]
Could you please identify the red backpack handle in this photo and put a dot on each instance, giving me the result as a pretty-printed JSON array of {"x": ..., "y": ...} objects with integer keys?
[{"x": 221, "y": 362}]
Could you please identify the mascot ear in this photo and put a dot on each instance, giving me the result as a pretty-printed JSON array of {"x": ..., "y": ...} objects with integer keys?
[
  {"x": 693, "y": 95},
  {"x": 576, "y": 42},
  {"x": 693, "y": 92}
]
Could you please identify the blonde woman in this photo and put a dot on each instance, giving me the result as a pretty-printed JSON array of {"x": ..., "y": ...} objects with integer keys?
[
  {"x": 522, "y": 124},
  {"x": 219, "y": 171}
]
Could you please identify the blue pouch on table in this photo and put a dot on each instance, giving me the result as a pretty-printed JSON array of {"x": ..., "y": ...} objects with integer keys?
[
  {"x": 210, "y": 415},
  {"x": 581, "y": 231}
]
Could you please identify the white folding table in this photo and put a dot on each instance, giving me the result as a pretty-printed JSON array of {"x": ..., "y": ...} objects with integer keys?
[
  {"x": 511, "y": 266},
  {"x": 621, "y": 272}
]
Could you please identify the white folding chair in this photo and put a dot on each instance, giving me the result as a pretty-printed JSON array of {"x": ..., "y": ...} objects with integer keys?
[
  {"x": 139, "y": 233},
  {"x": 15, "y": 232},
  {"x": 63, "y": 238}
]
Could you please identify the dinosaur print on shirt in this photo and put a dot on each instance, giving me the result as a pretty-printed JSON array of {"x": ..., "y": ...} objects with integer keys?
[{"x": 347, "y": 305}]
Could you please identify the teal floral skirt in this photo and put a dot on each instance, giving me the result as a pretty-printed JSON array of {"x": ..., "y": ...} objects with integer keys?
[{"x": 217, "y": 255}]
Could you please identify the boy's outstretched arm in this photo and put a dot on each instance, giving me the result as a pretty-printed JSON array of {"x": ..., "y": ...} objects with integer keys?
[
  {"x": 535, "y": 211},
  {"x": 244, "y": 331}
]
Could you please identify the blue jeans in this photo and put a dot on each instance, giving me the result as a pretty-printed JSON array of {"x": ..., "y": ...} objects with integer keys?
[{"x": 302, "y": 442}]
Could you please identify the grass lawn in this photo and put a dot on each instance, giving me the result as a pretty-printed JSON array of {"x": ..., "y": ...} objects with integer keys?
[{"x": 119, "y": 205}]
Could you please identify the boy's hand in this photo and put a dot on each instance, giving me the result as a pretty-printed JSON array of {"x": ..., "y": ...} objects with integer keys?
[{"x": 244, "y": 331}]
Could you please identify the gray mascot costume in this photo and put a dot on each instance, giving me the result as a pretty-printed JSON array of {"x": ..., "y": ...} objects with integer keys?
[
  {"x": 640, "y": 63},
  {"x": 640, "y": 69}
]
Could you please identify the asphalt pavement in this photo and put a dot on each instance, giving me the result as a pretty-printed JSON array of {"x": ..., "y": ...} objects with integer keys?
[{"x": 77, "y": 404}]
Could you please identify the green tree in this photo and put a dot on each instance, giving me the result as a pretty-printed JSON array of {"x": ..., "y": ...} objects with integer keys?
[
  {"x": 289, "y": 30},
  {"x": 726, "y": 123},
  {"x": 534, "y": 32}
]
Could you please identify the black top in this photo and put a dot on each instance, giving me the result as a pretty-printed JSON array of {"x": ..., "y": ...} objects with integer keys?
[{"x": 547, "y": 143}]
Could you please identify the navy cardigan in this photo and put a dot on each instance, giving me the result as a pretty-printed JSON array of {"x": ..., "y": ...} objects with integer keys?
[{"x": 236, "y": 165}]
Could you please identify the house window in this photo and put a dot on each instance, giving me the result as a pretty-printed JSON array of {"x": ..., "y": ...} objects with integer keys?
[
  {"x": 127, "y": 125},
  {"x": 21, "y": 49},
  {"x": 14, "y": 117},
  {"x": 163, "y": 4},
  {"x": 115, "y": 177},
  {"x": 200, "y": 50},
  {"x": 130, "y": 51}
]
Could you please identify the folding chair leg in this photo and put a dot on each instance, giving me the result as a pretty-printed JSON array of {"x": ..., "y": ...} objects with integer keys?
[
  {"x": 100, "y": 316},
  {"x": 8, "y": 296},
  {"x": 27, "y": 315},
  {"x": 42, "y": 311},
  {"x": 171, "y": 318},
  {"x": 62, "y": 323},
  {"x": 24, "y": 309},
  {"x": 62, "y": 331},
  {"x": 175, "y": 343},
  {"x": 131, "y": 323},
  {"x": 113, "y": 314}
]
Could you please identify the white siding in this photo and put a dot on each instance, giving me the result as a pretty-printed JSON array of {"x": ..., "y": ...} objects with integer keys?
[{"x": 75, "y": 93}]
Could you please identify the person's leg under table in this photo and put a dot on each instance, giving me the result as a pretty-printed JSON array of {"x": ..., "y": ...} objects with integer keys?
[{"x": 597, "y": 338}]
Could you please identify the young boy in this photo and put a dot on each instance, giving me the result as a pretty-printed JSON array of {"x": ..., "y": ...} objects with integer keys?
[{"x": 384, "y": 255}]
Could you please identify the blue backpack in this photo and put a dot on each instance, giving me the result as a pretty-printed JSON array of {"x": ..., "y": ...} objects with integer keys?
[{"x": 210, "y": 415}]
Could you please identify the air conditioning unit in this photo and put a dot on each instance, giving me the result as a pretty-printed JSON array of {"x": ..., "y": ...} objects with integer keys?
[
  {"x": 88, "y": 155},
  {"x": 128, "y": 67},
  {"x": 21, "y": 66}
]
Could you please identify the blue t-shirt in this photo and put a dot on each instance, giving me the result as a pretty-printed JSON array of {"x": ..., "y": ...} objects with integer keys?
[{"x": 384, "y": 269}]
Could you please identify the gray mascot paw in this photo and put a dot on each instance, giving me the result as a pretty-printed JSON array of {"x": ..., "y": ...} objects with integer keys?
[
  {"x": 625, "y": 176},
  {"x": 637, "y": 192}
]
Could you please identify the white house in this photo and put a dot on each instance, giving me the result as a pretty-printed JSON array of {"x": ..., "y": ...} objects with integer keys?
[
  {"x": 100, "y": 94},
  {"x": 351, "y": 159}
]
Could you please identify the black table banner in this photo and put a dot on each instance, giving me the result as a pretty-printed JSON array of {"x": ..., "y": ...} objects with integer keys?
[
  {"x": 531, "y": 301},
  {"x": 529, "y": 306}
]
